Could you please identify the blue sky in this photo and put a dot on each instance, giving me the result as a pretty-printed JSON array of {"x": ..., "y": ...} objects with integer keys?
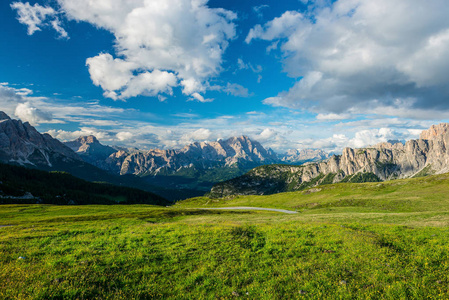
[{"x": 164, "y": 73}]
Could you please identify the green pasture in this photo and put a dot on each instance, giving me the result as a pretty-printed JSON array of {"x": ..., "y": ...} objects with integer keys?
[{"x": 386, "y": 240}]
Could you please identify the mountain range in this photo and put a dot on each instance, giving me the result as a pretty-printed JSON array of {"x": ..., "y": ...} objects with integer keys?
[
  {"x": 22, "y": 145},
  {"x": 196, "y": 167},
  {"x": 174, "y": 174},
  {"x": 235, "y": 166},
  {"x": 392, "y": 160}
]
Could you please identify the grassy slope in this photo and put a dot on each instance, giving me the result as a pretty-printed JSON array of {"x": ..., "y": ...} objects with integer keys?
[
  {"x": 417, "y": 194},
  {"x": 350, "y": 241}
]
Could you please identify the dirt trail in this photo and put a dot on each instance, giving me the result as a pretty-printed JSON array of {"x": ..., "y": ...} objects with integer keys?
[{"x": 254, "y": 208}]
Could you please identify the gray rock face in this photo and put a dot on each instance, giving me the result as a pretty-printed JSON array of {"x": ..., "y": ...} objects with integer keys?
[
  {"x": 91, "y": 150},
  {"x": 385, "y": 161},
  {"x": 21, "y": 143},
  {"x": 236, "y": 150}
]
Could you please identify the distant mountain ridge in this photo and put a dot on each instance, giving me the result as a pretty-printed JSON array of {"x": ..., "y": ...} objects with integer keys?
[
  {"x": 200, "y": 155},
  {"x": 191, "y": 170},
  {"x": 385, "y": 161},
  {"x": 299, "y": 156},
  {"x": 196, "y": 166}
]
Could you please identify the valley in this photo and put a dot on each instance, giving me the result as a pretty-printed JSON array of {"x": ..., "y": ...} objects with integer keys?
[
  {"x": 213, "y": 149},
  {"x": 361, "y": 225}
]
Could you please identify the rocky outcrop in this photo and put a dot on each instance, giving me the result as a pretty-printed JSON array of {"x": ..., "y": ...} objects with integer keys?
[
  {"x": 435, "y": 132},
  {"x": 385, "y": 161},
  {"x": 91, "y": 150},
  {"x": 22, "y": 144}
]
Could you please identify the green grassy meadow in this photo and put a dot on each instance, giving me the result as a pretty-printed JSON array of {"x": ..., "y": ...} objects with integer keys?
[{"x": 386, "y": 240}]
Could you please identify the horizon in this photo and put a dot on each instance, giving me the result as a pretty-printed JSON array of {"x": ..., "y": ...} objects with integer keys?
[
  {"x": 329, "y": 153},
  {"x": 295, "y": 75}
]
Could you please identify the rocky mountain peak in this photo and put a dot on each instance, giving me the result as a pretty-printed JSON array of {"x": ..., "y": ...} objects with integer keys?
[
  {"x": 242, "y": 138},
  {"x": 21, "y": 143},
  {"x": 90, "y": 139},
  {"x": 4, "y": 116},
  {"x": 199, "y": 155},
  {"x": 435, "y": 132},
  {"x": 91, "y": 150},
  {"x": 85, "y": 143}
]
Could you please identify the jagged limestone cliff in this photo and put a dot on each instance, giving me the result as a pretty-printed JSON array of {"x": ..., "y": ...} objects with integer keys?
[
  {"x": 385, "y": 161},
  {"x": 204, "y": 155}
]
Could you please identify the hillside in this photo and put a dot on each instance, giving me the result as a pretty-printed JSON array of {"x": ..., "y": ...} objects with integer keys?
[
  {"x": 425, "y": 156},
  {"x": 422, "y": 194},
  {"x": 22, "y": 185}
]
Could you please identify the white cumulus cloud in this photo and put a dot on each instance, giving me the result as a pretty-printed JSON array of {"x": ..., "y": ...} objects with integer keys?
[
  {"x": 356, "y": 54},
  {"x": 198, "y": 97},
  {"x": 28, "y": 113},
  {"x": 124, "y": 136},
  {"x": 35, "y": 17},
  {"x": 159, "y": 44}
]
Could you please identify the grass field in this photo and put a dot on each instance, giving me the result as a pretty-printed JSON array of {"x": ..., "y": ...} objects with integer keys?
[{"x": 349, "y": 241}]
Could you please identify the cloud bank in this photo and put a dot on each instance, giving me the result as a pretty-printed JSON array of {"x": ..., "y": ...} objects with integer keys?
[{"x": 361, "y": 56}]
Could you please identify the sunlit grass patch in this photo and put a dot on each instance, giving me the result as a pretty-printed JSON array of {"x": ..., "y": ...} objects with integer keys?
[{"x": 148, "y": 252}]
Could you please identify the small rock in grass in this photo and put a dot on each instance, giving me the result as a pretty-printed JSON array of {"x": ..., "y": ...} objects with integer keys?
[
  {"x": 58, "y": 280},
  {"x": 343, "y": 282},
  {"x": 234, "y": 293},
  {"x": 302, "y": 292}
]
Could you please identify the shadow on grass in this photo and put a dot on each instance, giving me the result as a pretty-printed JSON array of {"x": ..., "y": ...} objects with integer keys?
[{"x": 152, "y": 216}]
